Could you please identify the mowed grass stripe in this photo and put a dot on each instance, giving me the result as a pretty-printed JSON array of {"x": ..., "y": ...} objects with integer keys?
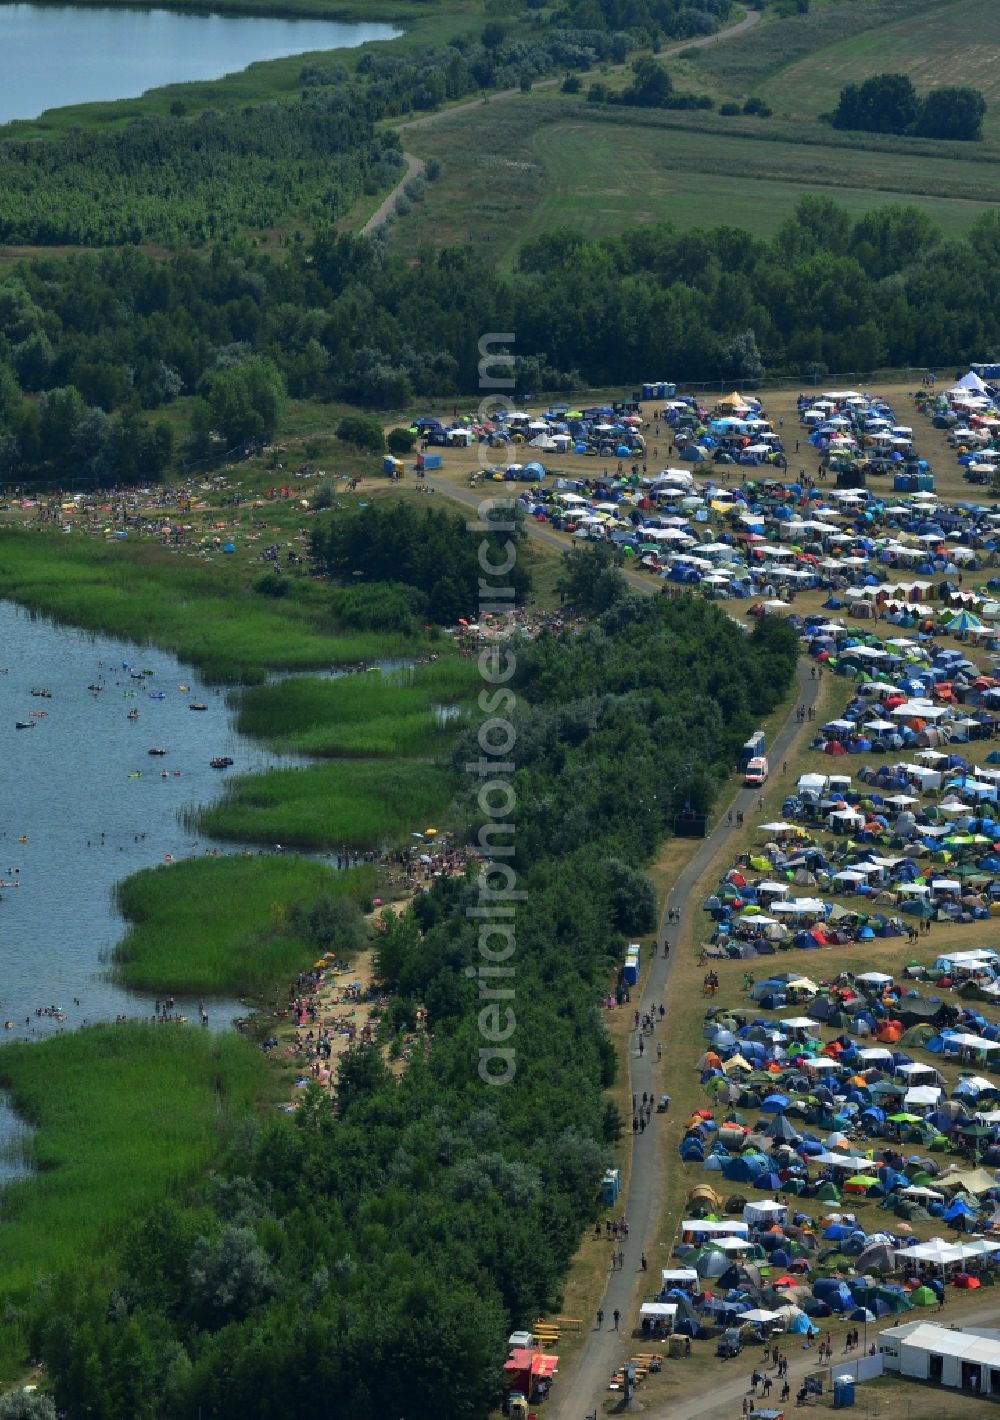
[
  {"x": 515, "y": 171},
  {"x": 956, "y": 44},
  {"x": 601, "y": 180}
]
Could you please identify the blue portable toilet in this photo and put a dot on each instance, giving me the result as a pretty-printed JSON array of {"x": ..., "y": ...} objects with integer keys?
[
  {"x": 611, "y": 1185},
  {"x": 632, "y": 966},
  {"x": 843, "y": 1392}
]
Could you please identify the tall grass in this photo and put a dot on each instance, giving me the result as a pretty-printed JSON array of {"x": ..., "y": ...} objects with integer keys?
[
  {"x": 366, "y": 716},
  {"x": 207, "y": 614},
  {"x": 223, "y": 925},
  {"x": 124, "y": 1115},
  {"x": 358, "y": 803}
]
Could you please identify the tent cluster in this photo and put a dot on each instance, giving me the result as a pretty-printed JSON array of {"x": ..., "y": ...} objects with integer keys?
[
  {"x": 970, "y": 411},
  {"x": 760, "y": 1266},
  {"x": 606, "y": 431},
  {"x": 859, "y": 434},
  {"x": 823, "y": 1111}
]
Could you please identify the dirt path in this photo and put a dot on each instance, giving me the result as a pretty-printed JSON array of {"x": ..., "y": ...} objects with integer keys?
[
  {"x": 581, "y": 1391},
  {"x": 749, "y": 19},
  {"x": 377, "y": 219}
]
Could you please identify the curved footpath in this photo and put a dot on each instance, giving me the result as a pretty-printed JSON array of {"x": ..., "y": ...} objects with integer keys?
[
  {"x": 416, "y": 165},
  {"x": 582, "y": 1391},
  {"x": 378, "y": 218},
  {"x": 749, "y": 19}
]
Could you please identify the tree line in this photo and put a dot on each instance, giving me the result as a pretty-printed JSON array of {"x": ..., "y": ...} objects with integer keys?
[
  {"x": 888, "y": 103},
  {"x": 346, "y": 318},
  {"x": 379, "y": 1254},
  {"x": 427, "y": 551}
]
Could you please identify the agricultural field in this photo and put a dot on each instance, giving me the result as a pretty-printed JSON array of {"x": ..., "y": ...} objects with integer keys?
[
  {"x": 777, "y": 43},
  {"x": 512, "y": 171},
  {"x": 948, "y": 44}
]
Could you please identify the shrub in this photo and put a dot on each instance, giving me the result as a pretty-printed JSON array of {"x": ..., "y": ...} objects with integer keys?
[
  {"x": 364, "y": 433},
  {"x": 433, "y": 169},
  {"x": 571, "y": 84},
  {"x": 758, "y": 108},
  {"x": 727, "y": 110},
  {"x": 400, "y": 441}
]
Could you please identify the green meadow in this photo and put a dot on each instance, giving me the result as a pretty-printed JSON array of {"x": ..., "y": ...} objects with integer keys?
[
  {"x": 357, "y": 803},
  {"x": 124, "y": 1115},
  {"x": 513, "y": 170},
  {"x": 408, "y": 712},
  {"x": 946, "y": 43},
  {"x": 207, "y": 613},
  {"x": 224, "y": 925}
]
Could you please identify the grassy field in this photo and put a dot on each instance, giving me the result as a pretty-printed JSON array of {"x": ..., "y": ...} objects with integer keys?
[
  {"x": 406, "y": 712},
  {"x": 512, "y": 171},
  {"x": 138, "y": 1111},
  {"x": 946, "y": 44},
  {"x": 360, "y": 803},
  {"x": 779, "y": 42},
  {"x": 206, "y": 614},
  {"x": 224, "y": 925}
]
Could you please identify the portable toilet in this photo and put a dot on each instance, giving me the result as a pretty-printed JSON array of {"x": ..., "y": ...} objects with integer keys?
[
  {"x": 611, "y": 1186},
  {"x": 843, "y": 1392},
  {"x": 392, "y": 467},
  {"x": 632, "y": 966},
  {"x": 648, "y": 391}
]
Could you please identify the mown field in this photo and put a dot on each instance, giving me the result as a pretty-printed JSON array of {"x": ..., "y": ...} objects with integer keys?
[
  {"x": 778, "y": 42},
  {"x": 514, "y": 170},
  {"x": 947, "y": 44}
]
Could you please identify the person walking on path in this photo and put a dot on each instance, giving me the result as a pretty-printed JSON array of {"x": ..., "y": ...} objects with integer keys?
[
  {"x": 616, "y": 1317},
  {"x": 600, "y": 1318}
]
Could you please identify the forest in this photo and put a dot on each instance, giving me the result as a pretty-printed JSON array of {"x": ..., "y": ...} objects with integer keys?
[
  {"x": 345, "y": 318},
  {"x": 429, "y": 552},
  {"x": 370, "y": 1255},
  {"x": 194, "y": 180}
]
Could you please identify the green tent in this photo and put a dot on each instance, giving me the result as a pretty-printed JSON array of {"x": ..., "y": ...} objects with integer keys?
[{"x": 924, "y": 1297}]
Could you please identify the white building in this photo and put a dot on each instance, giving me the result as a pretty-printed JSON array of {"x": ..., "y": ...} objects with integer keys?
[{"x": 961, "y": 1360}]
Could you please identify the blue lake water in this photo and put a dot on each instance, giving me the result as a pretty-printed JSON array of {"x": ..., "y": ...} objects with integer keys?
[
  {"x": 54, "y": 55},
  {"x": 74, "y": 818}
]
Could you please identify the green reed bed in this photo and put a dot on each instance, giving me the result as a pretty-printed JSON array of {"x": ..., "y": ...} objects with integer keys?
[
  {"x": 224, "y": 925},
  {"x": 207, "y": 614},
  {"x": 357, "y": 803},
  {"x": 407, "y": 712},
  {"x": 124, "y": 1114}
]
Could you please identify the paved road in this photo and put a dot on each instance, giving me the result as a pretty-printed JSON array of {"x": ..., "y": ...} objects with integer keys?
[
  {"x": 377, "y": 219},
  {"x": 583, "y": 1389},
  {"x": 750, "y": 18}
]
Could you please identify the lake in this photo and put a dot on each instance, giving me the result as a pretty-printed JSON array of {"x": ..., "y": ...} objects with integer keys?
[
  {"x": 58, "y": 55},
  {"x": 83, "y": 804}
]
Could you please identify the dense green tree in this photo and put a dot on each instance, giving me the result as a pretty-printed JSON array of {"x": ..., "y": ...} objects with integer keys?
[
  {"x": 362, "y": 433},
  {"x": 952, "y": 112},
  {"x": 885, "y": 103}
]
